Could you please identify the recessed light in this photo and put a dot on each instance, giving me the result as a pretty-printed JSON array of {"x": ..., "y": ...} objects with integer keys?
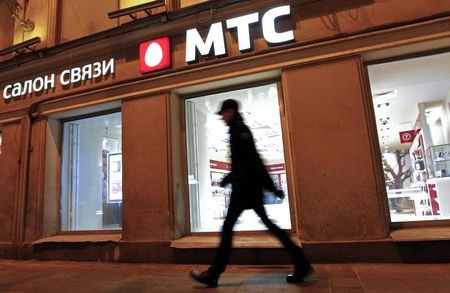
[
  {"x": 387, "y": 94},
  {"x": 383, "y": 105}
]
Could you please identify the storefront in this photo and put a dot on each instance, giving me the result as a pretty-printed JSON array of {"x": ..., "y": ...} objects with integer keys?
[{"x": 110, "y": 147}]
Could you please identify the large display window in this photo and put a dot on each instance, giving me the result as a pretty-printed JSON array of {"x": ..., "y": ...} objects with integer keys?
[
  {"x": 91, "y": 173},
  {"x": 209, "y": 157},
  {"x": 411, "y": 99}
]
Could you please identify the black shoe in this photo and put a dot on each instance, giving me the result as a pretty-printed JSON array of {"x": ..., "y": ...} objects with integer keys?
[
  {"x": 299, "y": 275},
  {"x": 205, "y": 278}
]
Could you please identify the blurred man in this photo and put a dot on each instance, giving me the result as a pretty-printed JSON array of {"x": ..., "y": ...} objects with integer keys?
[{"x": 248, "y": 178}]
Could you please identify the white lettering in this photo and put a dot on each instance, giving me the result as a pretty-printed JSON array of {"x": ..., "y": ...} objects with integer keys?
[
  {"x": 17, "y": 87},
  {"x": 97, "y": 69},
  {"x": 215, "y": 39},
  {"x": 75, "y": 75},
  {"x": 108, "y": 67},
  {"x": 62, "y": 78},
  {"x": 49, "y": 83},
  {"x": 27, "y": 87},
  {"x": 268, "y": 26},
  {"x": 242, "y": 24},
  {"x": 86, "y": 72},
  {"x": 6, "y": 95},
  {"x": 36, "y": 87},
  {"x": 67, "y": 77},
  {"x": 194, "y": 41}
]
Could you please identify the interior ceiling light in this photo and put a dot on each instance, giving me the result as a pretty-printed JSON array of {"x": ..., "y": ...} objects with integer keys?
[
  {"x": 386, "y": 94},
  {"x": 384, "y": 121},
  {"x": 383, "y": 105}
]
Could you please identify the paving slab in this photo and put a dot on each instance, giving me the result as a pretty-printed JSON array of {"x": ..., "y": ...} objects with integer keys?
[{"x": 61, "y": 276}]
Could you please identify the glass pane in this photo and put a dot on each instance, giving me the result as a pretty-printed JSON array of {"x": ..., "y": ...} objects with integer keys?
[
  {"x": 412, "y": 109},
  {"x": 186, "y": 3},
  {"x": 91, "y": 175},
  {"x": 131, "y": 3},
  {"x": 0, "y": 142},
  {"x": 209, "y": 157}
]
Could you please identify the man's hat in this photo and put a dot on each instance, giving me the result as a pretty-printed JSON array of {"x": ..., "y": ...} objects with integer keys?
[{"x": 228, "y": 104}]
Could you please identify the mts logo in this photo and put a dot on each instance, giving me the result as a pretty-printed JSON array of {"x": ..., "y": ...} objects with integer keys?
[
  {"x": 215, "y": 41},
  {"x": 154, "y": 55}
]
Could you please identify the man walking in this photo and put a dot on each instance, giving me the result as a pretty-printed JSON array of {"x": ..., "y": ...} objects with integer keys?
[{"x": 248, "y": 178}]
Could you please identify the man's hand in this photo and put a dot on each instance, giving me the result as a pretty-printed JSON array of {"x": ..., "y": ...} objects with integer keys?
[
  {"x": 226, "y": 180},
  {"x": 279, "y": 193}
]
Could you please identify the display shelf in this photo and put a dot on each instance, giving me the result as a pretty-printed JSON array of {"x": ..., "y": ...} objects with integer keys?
[
  {"x": 438, "y": 159},
  {"x": 418, "y": 160}
]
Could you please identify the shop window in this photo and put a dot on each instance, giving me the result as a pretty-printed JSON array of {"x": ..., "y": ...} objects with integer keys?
[
  {"x": 186, "y": 3},
  {"x": 1, "y": 140},
  {"x": 91, "y": 174},
  {"x": 131, "y": 3},
  {"x": 209, "y": 157},
  {"x": 79, "y": 18},
  {"x": 411, "y": 100}
]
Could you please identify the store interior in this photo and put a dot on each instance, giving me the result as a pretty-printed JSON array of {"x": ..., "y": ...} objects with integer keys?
[
  {"x": 91, "y": 173},
  {"x": 208, "y": 134},
  {"x": 411, "y": 100}
]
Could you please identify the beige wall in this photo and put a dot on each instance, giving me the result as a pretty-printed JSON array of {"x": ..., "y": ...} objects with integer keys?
[
  {"x": 10, "y": 160},
  {"x": 334, "y": 176},
  {"x": 146, "y": 169},
  {"x": 35, "y": 193},
  {"x": 6, "y": 29},
  {"x": 80, "y": 18}
]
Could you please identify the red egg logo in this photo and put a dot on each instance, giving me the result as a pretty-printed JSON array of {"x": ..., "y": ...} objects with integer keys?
[{"x": 154, "y": 55}]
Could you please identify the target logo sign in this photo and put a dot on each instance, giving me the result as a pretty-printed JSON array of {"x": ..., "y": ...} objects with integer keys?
[{"x": 154, "y": 55}]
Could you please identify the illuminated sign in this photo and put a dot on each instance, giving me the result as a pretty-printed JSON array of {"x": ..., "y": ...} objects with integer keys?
[
  {"x": 66, "y": 78},
  {"x": 154, "y": 55},
  {"x": 408, "y": 136},
  {"x": 215, "y": 41}
]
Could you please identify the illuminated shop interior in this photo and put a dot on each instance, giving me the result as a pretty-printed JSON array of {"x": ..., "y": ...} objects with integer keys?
[
  {"x": 209, "y": 157},
  {"x": 91, "y": 173},
  {"x": 411, "y": 99}
]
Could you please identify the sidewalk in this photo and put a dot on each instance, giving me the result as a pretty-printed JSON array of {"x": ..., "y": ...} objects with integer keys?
[{"x": 55, "y": 276}]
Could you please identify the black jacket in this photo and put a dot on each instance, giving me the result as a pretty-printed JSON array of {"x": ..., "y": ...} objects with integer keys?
[{"x": 248, "y": 174}]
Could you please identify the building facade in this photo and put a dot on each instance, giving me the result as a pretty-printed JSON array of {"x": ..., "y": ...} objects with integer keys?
[{"x": 110, "y": 147}]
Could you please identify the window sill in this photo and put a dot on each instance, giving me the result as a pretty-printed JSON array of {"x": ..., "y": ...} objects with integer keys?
[
  {"x": 421, "y": 234},
  {"x": 239, "y": 241},
  {"x": 80, "y": 238}
]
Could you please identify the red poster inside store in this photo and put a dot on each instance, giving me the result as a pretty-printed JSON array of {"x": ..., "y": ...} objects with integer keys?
[{"x": 408, "y": 136}]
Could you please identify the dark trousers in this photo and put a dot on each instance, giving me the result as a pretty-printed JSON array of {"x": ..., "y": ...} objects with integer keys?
[{"x": 224, "y": 250}]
